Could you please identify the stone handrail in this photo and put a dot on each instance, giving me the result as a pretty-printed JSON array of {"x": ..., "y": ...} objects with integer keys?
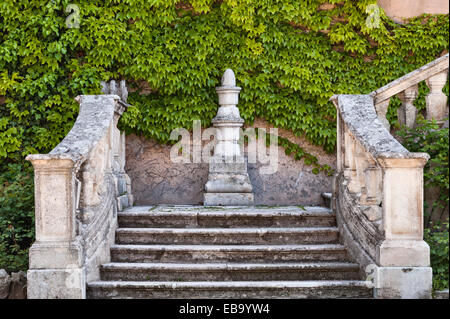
[
  {"x": 378, "y": 188},
  {"x": 79, "y": 187},
  {"x": 435, "y": 74}
]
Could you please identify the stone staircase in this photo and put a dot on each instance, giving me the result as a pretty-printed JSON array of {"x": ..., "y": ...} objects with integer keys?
[
  {"x": 228, "y": 252},
  {"x": 236, "y": 252}
]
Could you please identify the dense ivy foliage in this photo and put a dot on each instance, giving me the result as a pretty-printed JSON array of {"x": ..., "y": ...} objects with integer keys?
[
  {"x": 289, "y": 57},
  {"x": 16, "y": 217}
]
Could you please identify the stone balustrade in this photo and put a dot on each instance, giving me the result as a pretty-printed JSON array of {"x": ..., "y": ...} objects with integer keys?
[
  {"x": 435, "y": 74},
  {"x": 79, "y": 187},
  {"x": 378, "y": 188}
]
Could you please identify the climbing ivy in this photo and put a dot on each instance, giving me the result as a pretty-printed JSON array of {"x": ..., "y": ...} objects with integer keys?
[{"x": 289, "y": 57}]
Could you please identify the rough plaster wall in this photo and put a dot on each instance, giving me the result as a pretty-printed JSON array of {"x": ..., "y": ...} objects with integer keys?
[{"x": 156, "y": 180}]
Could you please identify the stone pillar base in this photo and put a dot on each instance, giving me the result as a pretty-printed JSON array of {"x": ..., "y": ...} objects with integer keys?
[
  {"x": 403, "y": 282},
  {"x": 397, "y": 253},
  {"x": 57, "y": 255},
  {"x": 228, "y": 199},
  {"x": 56, "y": 283}
]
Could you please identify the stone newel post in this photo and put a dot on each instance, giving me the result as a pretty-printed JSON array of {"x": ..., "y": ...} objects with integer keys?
[
  {"x": 228, "y": 180},
  {"x": 403, "y": 257}
]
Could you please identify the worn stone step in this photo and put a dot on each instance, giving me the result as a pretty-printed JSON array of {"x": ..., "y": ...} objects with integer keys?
[
  {"x": 227, "y": 253},
  {"x": 229, "y": 289},
  {"x": 237, "y": 236},
  {"x": 229, "y": 271},
  {"x": 193, "y": 216}
]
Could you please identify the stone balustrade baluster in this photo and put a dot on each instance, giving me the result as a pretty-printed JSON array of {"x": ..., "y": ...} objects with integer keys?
[
  {"x": 382, "y": 108},
  {"x": 436, "y": 100},
  {"x": 407, "y": 112}
]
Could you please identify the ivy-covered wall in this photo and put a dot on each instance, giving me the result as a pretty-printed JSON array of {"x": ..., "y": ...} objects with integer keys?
[{"x": 289, "y": 56}]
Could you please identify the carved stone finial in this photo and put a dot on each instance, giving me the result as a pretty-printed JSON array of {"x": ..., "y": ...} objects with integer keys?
[
  {"x": 228, "y": 180},
  {"x": 228, "y": 78}
]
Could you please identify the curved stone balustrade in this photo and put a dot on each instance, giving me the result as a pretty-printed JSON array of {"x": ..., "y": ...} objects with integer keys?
[
  {"x": 435, "y": 74},
  {"x": 378, "y": 188},
  {"x": 79, "y": 187}
]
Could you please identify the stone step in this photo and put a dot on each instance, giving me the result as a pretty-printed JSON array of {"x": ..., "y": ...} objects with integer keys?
[
  {"x": 229, "y": 271},
  {"x": 229, "y": 289},
  {"x": 227, "y": 253},
  {"x": 236, "y": 236},
  {"x": 180, "y": 216}
]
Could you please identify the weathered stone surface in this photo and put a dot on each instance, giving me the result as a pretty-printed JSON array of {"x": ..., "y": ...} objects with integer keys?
[
  {"x": 156, "y": 180},
  {"x": 413, "y": 253},
  {"x": 228, "y": 253},
  {"x": 228, "y": 187},
  {"x": 358, "y": 113},
  {"x": 91, "y": 124},
  {"x": 227, "y": 183},
  {"x": 5, "y": 281},
  {"x": 56, "y": 284},
  {"x": 227, "y": 236},
  {"x": 188, "y": 258},
  {"x": 436, "y": 100},
  {"x": 379, "y": 186},
  {"x": 366, "y": 233},
  {"x": 231, "y": 271},
  {"x": 18, "y": 287},
  {"x": 236, "y": 289},
  {"x": 228, "y": 199},
  {"x": 403, "y": 282},
  {"x": 373, "y": 213},
  {"x": 56, "y": 254},
  {"x": 200, "y": 216}
]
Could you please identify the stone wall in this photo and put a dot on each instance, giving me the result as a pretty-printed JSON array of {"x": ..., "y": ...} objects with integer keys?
[{"x": 156, "y": 180}]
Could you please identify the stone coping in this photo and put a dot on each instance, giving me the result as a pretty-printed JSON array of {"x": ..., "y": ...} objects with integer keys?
[
  {"x": 358, "y": 114},
  {"x": 94, "y": 118}
]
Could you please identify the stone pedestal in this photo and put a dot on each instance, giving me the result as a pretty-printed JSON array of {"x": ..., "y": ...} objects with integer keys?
[
  {"x": 403, "y": 257},
  {"x": 228, "y": 180},
  {"x": 56, "y": 258}
]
